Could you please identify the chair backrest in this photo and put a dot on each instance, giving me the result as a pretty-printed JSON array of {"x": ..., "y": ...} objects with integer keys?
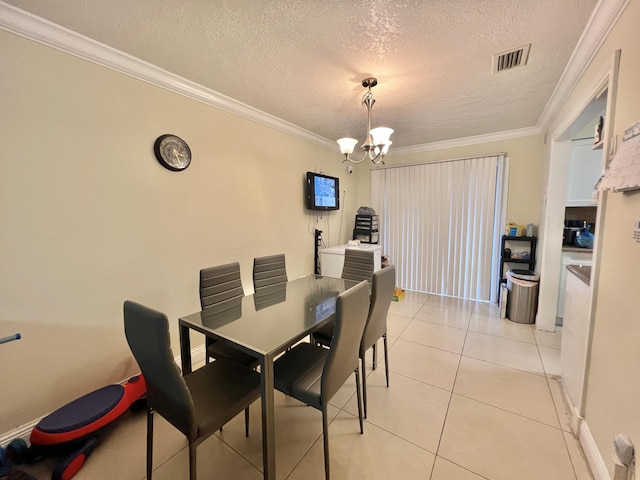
[
  {"x": 147, "y": 333},
  {"x": 220, "y": 283},
  {"x": 384, "y": 282},
  {"x": 358, "y": 264},
  {"x": 352, "y": 307},
  {"x": 268, "y": 271}
]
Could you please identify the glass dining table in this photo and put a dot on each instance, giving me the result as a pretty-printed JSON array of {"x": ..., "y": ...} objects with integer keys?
[{"x": 264, "y": 325}]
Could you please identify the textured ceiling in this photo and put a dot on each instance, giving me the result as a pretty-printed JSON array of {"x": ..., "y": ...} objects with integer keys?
[{"x": 303, "y": 60}]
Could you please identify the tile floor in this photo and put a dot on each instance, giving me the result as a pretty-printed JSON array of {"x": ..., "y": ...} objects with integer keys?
[{"x": 472, "y": 397}]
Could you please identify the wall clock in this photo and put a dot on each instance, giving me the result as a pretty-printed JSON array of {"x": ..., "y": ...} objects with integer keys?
[{"x": 172, "y": 152}]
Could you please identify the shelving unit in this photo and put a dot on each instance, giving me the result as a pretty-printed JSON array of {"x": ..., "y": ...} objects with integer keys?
[
  {"x": 366, "y": 228},
  {"x": 529, "y": 262}
]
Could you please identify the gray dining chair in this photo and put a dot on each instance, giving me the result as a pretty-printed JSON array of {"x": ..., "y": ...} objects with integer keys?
[
  {"x": 269, "y": 271},
  {"x": 382, "y": 287},
  {"x": 358, "y": 265},
  {"x": 313, "y": 374},
  {"x": 199, "y": 403},
  {"x": 219, "y": 285},
  {"x": 384, "y": 282}
]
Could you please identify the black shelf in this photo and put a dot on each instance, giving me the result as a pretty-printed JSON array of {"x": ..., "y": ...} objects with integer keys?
[
  {"x": 366, "y": 229},
  {"x": 530, "y": 262}
]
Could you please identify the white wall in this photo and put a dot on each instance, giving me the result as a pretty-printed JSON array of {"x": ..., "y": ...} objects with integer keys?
[
  {"x": 90, "y": 218},
  {"x": 613, "y": 385}
]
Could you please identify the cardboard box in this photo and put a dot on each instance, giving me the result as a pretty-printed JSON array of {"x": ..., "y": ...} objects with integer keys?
[{"x": 398, "y": 294}]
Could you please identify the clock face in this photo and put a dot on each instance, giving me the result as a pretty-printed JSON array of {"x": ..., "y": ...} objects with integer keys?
[{"x": 172, "y": 152}]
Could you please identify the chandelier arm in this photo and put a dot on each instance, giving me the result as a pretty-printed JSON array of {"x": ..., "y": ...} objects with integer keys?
[
  {"x": 347, "y": 158},
  {"x": 381, "y": 161}
]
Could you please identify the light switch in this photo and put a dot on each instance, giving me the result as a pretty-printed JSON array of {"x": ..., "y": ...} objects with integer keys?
[{"x": 636, "y": 232}]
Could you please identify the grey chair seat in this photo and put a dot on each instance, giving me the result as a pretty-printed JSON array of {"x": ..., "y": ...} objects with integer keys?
[
  {"x": 300, "y": 373},
  {"x": 215, "y": 406}
]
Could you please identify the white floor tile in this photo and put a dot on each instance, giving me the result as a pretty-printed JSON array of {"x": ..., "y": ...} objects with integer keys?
[
  {"x": 404, "y": 308},
  {"x": 409, "y": 409},
  {"x": 513, "y": 390},
  {"x": 550, "y": 361},
  {"x": 435, "y": 335},
  {"x": 377, "y": 454},
  {"x": 504, "y": 351},
  {"x": 548, "y": 339},
  {"x": 396, "y": 324},
  {"x": 450, "y": 316},
  {"x": 501, "y": 327},
  {"x": 445, "y": 470},
  {"x": 499, "y": 445},
  {"x": 564, "y": 415},
  {"x": 425, "y": 364}
]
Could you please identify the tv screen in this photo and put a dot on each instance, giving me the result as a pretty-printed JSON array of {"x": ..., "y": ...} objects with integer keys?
[{"x": 323, "y": 192}]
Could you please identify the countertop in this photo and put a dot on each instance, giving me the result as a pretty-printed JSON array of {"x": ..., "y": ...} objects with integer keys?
[
  {"x": 576, "y": 249},
  {"x": 582, "y": 272}
]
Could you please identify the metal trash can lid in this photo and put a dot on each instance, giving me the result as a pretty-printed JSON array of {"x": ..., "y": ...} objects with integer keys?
[{"x": 524, "y": 275}]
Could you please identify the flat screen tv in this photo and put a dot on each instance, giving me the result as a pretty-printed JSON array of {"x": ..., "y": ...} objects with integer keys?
[{"x": 323, "y": 192}]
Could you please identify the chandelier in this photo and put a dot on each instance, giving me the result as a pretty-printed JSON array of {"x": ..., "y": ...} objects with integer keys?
[{"x": 377, "y": 143}]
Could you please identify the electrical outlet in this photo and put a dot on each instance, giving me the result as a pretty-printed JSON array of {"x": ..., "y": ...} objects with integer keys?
[{"x": 636, "y": 232}]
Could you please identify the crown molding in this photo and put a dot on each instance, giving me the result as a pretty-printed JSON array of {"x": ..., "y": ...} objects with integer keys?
[
  {"x": 466, "y": 141},
  {"x": 40, "y": 30},
  {"x": 603, "y": 18}
]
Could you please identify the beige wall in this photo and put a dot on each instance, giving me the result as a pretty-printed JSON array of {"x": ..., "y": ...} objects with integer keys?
[
  {"x": 89, "y": 217},
  {"x": 613, "y": 385},
  {"x": 525, "y": 172}
]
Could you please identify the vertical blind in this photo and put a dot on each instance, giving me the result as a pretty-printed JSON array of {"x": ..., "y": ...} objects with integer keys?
[{"x": 439, "y": 224}]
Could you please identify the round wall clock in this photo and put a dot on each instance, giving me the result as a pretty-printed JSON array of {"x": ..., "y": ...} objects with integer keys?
[{"x": 172, "y": 152}]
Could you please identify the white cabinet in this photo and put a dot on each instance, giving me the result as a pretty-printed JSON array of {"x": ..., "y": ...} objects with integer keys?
[
  {"x": 332, "y": 259},
  {"x": 585, "y": 168},
  {"x": 575, "y": 340},
  {"x": 570, "y": 257}
]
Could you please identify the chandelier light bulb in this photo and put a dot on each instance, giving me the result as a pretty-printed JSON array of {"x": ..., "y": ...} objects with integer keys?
[
  {"x": 347, "y": 145},
  {"x": 381, "y": 135}
]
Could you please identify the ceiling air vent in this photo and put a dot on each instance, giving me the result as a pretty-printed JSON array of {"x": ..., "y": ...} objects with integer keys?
[{"x": 511, "y": 59}]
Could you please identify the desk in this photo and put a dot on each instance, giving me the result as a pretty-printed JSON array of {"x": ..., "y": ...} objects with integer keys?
[{"x": 264, "y": 326}]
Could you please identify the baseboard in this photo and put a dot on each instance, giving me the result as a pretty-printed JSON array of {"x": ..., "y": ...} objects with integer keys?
[
  {"x": 592, "y": 454},
  {"x": 581, "y": 430},
  {"x": 24, "y": 431}
]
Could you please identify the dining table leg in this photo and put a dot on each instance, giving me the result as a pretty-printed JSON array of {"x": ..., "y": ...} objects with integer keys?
[
  {"x": 268, "y": 418},
  {"x": 185, "y": 349}
]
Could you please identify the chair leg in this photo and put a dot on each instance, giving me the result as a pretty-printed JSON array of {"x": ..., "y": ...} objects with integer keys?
[
  {"x": 386, "y": 358},
  {"x": 375, "y": 356},
  {"x": 149, "y": 443},
  {"x": 192, "y": 461},
  {"x": 325, "y": 437},
  {"x": 364, "y": 386},
  {"x": 246, "y": 422},
  {"x": 359, "y": 394}
]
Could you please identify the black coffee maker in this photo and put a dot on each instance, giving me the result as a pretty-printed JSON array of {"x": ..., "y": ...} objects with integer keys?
[{"x": 571, "y": 230}]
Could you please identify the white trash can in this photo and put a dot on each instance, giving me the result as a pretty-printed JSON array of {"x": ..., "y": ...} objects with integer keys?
[{"x": 522, "y": 300}]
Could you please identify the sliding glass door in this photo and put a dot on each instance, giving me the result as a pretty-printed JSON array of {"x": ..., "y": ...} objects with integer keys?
[{"x": 440, "y": 224}]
